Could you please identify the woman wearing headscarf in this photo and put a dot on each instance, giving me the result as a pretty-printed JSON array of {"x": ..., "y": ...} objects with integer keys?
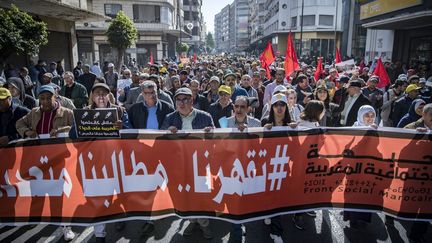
[
  {"x": 365, "y": 117},
  {"x": 414, "y": 113},
  {"x": 19, "y": 96}
]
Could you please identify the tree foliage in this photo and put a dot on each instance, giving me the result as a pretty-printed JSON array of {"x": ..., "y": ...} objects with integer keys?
[
  {"x": 184, "y": 47},
  {"x": 210, "y": 41},
  {"x": 121, "y": 34},
  {"x": 20, "y": 33}
]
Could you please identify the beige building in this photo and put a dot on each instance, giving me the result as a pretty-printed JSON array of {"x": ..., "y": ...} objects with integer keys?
[
  {"x": 60, "y": 16},
  {"x": 156, "y": 21}
]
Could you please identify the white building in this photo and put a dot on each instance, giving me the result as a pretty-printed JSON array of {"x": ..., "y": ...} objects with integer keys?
[
  {"x": 222, "y": 30},
  {"x": 322, "y": 25},
  {"x": 156, "y": 21},
  {"x": 193, "y": 18}
]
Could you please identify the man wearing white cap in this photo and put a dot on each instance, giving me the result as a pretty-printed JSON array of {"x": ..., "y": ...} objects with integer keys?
[{"x": 111, "y": 78}]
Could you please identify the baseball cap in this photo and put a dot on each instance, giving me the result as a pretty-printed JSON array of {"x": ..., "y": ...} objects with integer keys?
[
  {"x": 413, "y": 77},
  {"x": 225, "y": 89},
  {"x": 183, "y": 72},
  {"x": 110, "y": 65},
  {"x": 230, "y": 74},
  {"x": 215, "y": 78},
  {"x": 278, "y": 97},
  {"x": 100, "y": 85},
  {"x": 355, "y": 83},
  {"x": 4, "y": 93},
  {"x": 46, "y": 88},
  {"x": 343, "y": 79},
  {"x": 374, "y": 79},
  {"x": 403, "y": 77},
  {"x": 422, "y": 81},
  {"x": 183, "y": 91},
  {"x": 279, "y": 89},
  {"x": 411, "y": 87}
]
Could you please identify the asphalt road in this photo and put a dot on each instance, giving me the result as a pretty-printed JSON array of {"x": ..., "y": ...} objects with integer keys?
[{"x": 328, "y": 226}]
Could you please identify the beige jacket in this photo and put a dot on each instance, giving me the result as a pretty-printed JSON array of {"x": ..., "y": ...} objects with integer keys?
[{"x": 63, "y": 120}]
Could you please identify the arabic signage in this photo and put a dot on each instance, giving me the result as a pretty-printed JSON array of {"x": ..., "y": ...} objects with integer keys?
[
  {"x": 238, "y": 177},
  {"x": 99, "y": 123},
  {"x": 379, "y": 7}
]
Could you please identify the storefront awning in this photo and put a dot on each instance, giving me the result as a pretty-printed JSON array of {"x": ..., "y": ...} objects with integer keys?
[
  {"x": 54, "y": 9},
  {"x": 406, "y": 21}
]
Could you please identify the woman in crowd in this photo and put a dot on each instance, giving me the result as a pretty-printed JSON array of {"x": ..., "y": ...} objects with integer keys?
[
  {"x": 279, "y": 113},
  {"x": 414, "y": 113},
  {"x": 176, "y": 84},
  {"x": 294, "y": 108},
  {"x": 330, "y": 116},
  {"x": 312, "y": 115},
  {"x": 366, "y": 117}
]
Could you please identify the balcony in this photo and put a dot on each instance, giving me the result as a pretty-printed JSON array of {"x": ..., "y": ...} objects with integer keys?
[{"x": 139, "y": 26}]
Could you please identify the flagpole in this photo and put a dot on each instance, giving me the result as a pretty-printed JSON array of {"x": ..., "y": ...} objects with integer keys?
[
  {"x": 301, "y": 29},
  {"x": 335, "y": 29}
]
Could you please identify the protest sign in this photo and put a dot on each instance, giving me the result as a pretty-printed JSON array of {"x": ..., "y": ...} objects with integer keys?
[
  {"x": 98, "y": 123},
  {"x": 238, "y": 177}
]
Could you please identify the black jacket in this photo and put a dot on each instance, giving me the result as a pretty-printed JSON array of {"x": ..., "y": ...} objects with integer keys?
[
  {"x": 138, "y": 114},
  {"x": 8, "y": 120},
  {"x": 352, "y": 115}
]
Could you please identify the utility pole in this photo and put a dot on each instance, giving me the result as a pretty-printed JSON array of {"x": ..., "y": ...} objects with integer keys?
[
  {"x": 301, "y": 28},
  {"x": 335, "y": 29}
]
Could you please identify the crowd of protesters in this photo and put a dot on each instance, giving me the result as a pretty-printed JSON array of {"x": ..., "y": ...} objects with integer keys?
[{"x": 216, "y": 92}]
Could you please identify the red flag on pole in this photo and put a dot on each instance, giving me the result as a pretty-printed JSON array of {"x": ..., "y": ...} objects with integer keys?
[
  {"x": 195, "y": 57},
  {"x": 291, "y": 62},
  {"x": 319, "y": 69},
  {"x": 267, "y": 58},
  {"x": 338, "y": 57},
  {"x": 361, "y": 66},
  {"x": 381, "y": 72},
  {"x": 151, "y": 58}
]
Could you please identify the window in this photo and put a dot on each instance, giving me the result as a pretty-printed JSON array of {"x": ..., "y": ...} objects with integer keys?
[
  {"x": 326, "y": 20},
  {"x": 294, "y": 22},
  {"x": 308, "y": 20},
  {"x": 111, "y": 10},
  {"x": 167, "y": 16},
  {"x": 146, "y": 13}
]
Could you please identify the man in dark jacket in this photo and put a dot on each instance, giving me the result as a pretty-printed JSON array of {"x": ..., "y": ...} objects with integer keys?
[
  {"x": 185, "y": 118},
  {"x": 150, "y": 113},
  {"x": 87, "y": 78},
  {"x": 351, "y": 104},
  {"x": 9, "y": 114},
  {"x": 402, "y": 105},
  {"x": 74, "y": 91}
]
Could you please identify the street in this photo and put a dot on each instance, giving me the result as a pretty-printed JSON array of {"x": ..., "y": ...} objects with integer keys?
[{"x": 327, "y": 227}]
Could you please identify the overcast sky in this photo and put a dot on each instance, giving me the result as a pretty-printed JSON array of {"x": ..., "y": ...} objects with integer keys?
[{"x": 210, "y": 8}]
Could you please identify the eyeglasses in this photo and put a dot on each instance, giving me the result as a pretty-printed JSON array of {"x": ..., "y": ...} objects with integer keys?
[
  {"x": 184, "y": 101},
  {"x": 149, "y": 93},
  {"x": 280, "y": 104},
  {"x": 240, "y": 106}
]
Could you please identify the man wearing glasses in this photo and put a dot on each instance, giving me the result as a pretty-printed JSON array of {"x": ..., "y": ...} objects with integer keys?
[
  {"x": 186, "y": 117},
  {"x": 150, "y": 113}
]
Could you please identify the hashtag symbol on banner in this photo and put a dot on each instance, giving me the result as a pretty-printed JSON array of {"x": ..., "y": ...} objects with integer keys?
[{"x": 279, "y": 161}]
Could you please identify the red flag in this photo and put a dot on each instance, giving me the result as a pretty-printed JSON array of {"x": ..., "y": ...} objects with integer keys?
[
  {"x": 291, "y": 62},
  {"x": 195, "y": 57},
  {"x": 151, "y": 58},
  {"x": 338, "y": 57},
  {"x": 319, "y": 69},
  {"x": 362, "y": 66},
  {"x": 381, "y": 72},
  {"x": 267, "y": 58}
]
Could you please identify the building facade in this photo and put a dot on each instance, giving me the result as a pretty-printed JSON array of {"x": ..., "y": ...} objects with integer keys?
[
  {"x": 222, "y": 30},
  {"x": 399, "y": 31},
  {"x": 316, "y": 26},
  {"x": 61, "y": 18},
  {"x": 193, "y": 18},
  {"x": 158, "y": 28},
  {"x": 232, "y": 27}
]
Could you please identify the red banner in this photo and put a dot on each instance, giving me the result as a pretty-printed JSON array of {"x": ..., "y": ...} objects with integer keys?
[{"x": 234, "y": 176}]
